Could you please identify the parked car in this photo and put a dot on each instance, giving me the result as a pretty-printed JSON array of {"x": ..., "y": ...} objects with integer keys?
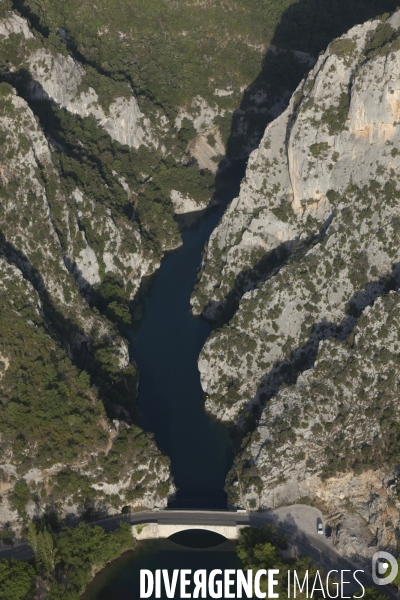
[{"x": 320, "y": 527}]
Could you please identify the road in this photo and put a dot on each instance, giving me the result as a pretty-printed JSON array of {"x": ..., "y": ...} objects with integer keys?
[{"x": 298, "y": 523}]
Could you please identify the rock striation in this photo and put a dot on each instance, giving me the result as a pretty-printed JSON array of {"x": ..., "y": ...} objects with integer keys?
[
  {"x": 305, "y": 235},
  {"x": 338, "y": 128},
  {"x": 304, "y": 271},
  {"x": 332, "y": 437},
  {"x": 59, "y": 451}
]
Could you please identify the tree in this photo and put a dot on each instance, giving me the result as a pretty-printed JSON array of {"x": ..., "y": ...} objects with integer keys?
[
  {"x": 20, "y": 497},
  {"x": 82, "y": 548},
  {"x": 267, "y": 555},
  {"x": 43, "y": 545},
  {"x": 16, "y": 580}
]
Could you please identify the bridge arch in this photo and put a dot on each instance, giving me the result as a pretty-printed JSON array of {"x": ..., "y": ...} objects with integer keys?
[{"x": 148, "y": 531}]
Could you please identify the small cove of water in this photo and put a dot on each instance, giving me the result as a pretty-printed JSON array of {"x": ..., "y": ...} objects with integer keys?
[{"x": 120, "y": 580}]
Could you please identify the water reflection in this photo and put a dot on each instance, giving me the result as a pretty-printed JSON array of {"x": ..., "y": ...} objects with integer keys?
[{"x": 121, "y": 579}]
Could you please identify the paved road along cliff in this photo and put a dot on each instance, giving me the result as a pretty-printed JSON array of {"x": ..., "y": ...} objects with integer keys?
[{"x": 298, "y": 523}]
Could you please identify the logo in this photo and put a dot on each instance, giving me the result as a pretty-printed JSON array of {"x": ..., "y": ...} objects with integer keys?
[{"x": 383, "y": 562}]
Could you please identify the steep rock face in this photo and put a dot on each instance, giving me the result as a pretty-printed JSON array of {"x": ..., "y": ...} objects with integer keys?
[
  {"x": 15, "y": 24},
  {"x": 97, "y": 237},
  {"x": 309, "y": 257},
  {"x": 339, "y": 128},
  {"x": 65, "y": 371},
  {"x": 338, "y": 223},
  {"x": 41, "y": 225},
  {"x": 59, "y": 78},
  {"x": 207, "y": 147},
  {"x": 333, "y": 435}
]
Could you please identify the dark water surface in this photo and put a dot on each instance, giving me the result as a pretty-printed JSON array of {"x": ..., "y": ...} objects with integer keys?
[
  {"x": 121, "y": 579},
  {"x": 166, "y": 348}
]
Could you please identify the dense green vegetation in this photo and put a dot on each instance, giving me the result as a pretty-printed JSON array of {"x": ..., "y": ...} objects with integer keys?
[
  {"x": 335, "y": 116},
  {"x": 89, "y": 160},
  {"x": 51, "y": 413},
  {"x": 65, "y": 560},
  {"x": 171, "y": 52},
  {"x": 258, "y": 548},
  {"x": 16, "y": 580},
  {"x": 53, "y": 409},
  {"x": 46, "y": 404},
  {"x": 168, "y": 52},
  {"x": 77, "y": 553}
]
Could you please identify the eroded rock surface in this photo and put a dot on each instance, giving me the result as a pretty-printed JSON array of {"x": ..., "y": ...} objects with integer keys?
[
  {"x": 321, "y": 193},
  {"x": 304, "y": 270},
  {"x": 340, "y": 127}
]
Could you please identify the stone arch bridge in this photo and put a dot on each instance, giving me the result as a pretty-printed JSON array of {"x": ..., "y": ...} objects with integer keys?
[{"x": 164, "y": 523}]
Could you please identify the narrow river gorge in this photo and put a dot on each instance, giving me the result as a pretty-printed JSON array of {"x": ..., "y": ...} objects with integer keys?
[{"x": 166, "y": 346}]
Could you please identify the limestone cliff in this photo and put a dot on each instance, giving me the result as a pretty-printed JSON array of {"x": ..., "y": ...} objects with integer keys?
[
  {"x": 58, "y": 450},
  {"x": 59, "y": 78},
  {"x": 314, "y": 230},
  {"x": 340, "y": 128},
  {"x": 333, "y": 437},
  {"x": 68, "y": 231},
  {"x": 306, "y": 260}
]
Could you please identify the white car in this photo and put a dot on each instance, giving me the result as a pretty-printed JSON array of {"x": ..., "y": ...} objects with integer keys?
[{"x": 320, "y": 528}]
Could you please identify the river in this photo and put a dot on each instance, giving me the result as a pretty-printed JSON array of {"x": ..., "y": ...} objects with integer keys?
[{"x": 166, "y": 347}]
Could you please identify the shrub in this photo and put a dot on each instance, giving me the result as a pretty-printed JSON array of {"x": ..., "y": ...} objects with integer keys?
[
  {"x": 335, "y": 116},
  {"x": 20, "y": 496},
  {"x": 318, "y": 149}
]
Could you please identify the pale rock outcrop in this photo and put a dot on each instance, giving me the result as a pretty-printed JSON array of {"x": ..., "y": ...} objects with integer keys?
[
  {"x": 59, "y": 77},
  {"x": 127, "y": 124},
  {"x": 31, "y": 239},
  {"x": 202, "y": 115},
  {"x": 223, "y": 93},
  {"x": 329, "y": 197},
  {"x": 330, "y": 437},
  {"x": 15, "y": 24},
  {"x": 208, "y": 149},
  {"x": 307, "y": 259},
  {"x": 185, "y": 204},
  {"x": 340, "y": 127}
]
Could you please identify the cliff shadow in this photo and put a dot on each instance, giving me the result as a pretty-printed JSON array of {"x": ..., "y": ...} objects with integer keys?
[
  {"x": 113, "y": 387},
  {"x": 304, "y": 30},
  {"x": 266, "y": 267},
  {"x": 303, "y": 357}
]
